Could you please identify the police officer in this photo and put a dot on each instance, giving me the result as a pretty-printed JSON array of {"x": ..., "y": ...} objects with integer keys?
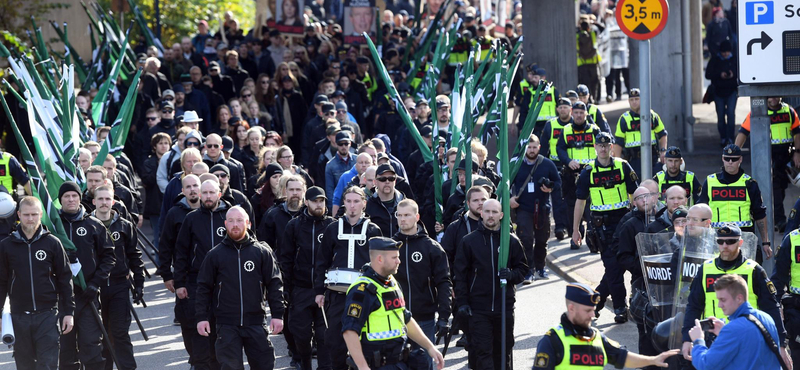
[
  {"x": 424, "y": 276},
  {"x": 608, "y": 181},
  {"x": 595, "y": 114},
  {"x": 675, "y": 175},
  {"x": 32, "y": 257},
  {"x": 301, "y": 241},
  {"x": 95, "y": 253},
  {"x": 201, "y": 230},
  {"x": 533, "y": 78},
  {"x": 734, "y": 197},
  {"x": 702, "y": 300},
  {"x": 241, "y": 278},
  {"x": 785, "y": 137},
  {"x": 549, "y": 139},
  {"x": 375, "y": 332},
  {"x": 575, "y": 150},
  {"x": 629, "y": 137},
  {"x": 478, "y": 291},
  {"x": 114, "y": 296},
  {"x": 575, "y": 343},
  {"x": 534, "y": 183},
  {"x": 344, "y": 245},
  {"x": 11, "y": 171},
  {"x": 787, "y": 275}
]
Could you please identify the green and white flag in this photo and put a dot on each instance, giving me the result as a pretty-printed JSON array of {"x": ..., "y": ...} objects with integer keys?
[{"x": 115, "y": 141}]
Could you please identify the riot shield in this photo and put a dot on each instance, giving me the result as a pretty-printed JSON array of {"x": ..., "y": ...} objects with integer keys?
[
  {"x": 656, "y": 252},
  {"x": 749, "y": 245}
]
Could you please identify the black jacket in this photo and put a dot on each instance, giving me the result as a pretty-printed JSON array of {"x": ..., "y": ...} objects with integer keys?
[
  {"x": 476, "y": 270},
  {"x": 381, "y": 216},
  {"x": 627, "y": 252},
  {"x": 153, "y": 194},
  {"x": 237, "y": 281},
  {"x": 237, "y": 198},
  {"x": 201, "y": 230},
  {"x": 169, "y": 235},
  {"x": 95, "y": 249},
  {"x": 453, "y": 234},
  {"x": 35, "y": 273},
  {"x": 298, "y": 252},
  {"x": 236, "y": 180},
  {"x": 129, "y": 258},
  {"x": 273, "y": 224},
  {"x": 333, "y": 252},
  {"x": 424, "y": 276}
]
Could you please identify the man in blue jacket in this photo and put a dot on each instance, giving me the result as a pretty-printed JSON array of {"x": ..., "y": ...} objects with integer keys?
[{"x": 740, "y": 343}]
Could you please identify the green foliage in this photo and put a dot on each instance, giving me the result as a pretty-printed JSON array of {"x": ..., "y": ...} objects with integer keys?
[
  {"x": 15, "y": 19},
  {"x": 179, "y": 17}
]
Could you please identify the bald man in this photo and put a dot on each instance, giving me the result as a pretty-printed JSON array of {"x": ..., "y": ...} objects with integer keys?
[
  {"x": 675, "y": 197},
  {"x": 478, "y": 278},
  {"x": 214, "y": 156}
]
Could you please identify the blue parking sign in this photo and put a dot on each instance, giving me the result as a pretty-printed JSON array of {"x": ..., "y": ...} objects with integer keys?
[{"x": 760, "y": 12}]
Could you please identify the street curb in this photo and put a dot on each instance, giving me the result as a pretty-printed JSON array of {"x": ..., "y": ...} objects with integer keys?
[{"x": 558, "y": 269}]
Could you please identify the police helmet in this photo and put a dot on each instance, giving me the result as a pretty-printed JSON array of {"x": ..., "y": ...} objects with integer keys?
[
  {"x": 660, "y": 334},
  {"x": 7, "y": 205}
]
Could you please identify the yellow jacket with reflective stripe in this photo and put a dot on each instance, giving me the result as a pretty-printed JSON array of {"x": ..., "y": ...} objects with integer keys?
[
  {"x": 794, "y": 271},
  {"x": 580, "y": 354},
  {"x": 711, "y": 273},
  {"x": 607, "y": 187},
  {"x": 383, "y": 324},
  {"x": 729, "y": 202}
]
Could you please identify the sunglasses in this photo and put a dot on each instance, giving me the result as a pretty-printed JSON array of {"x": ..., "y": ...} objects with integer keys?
[
  {"x": 152, "y": 118},
  {"x": 221, "y": 175},
  {"x": 331, "y": 113},
  {"x": 247, "y": 96},
  {"x": 727, "y": 241},
  {"x": 343, "y": 143},
  {"x": 697, "y": 220},
  {"x": 385, "y": 179},
  {"x": 167, "y": 111},
  {"x": 169, "y": 98},
  {"x": 192, "y": 143},
  {"x": 730, "y": 159},
  {"x": 212, "y": 146}
]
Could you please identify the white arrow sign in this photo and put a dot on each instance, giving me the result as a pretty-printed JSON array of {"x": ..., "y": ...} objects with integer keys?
[{"x": 769, "y": 41}]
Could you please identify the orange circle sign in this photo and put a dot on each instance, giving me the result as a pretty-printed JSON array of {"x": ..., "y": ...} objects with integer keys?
[{"x": 642, "y": 19}]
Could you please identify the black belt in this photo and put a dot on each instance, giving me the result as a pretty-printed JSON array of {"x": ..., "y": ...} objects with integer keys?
[{"x": 37, "y": 311}]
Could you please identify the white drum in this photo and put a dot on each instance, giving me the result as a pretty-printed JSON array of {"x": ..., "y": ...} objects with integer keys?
[{"x": 339, "y": 279}]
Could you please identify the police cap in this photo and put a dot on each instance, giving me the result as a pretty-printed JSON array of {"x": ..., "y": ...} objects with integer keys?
[
  {"x": 579, "y": 105},
  {"x": 732, "y": 150},
  {"x": 673, "y": 152},
  {"x": 315, "y": 192},
  {"x": 582, "y": 294},
  {"x": 380, "y": 243},
  {"x": 582, "y": 89},
  {"x": 634, "y": 93},
  {"x": 604, "y": 138},
  {"x": 729, "y": 230},
  {"x": 564, "y": 101},
  {"x": 571, "y": 94}
]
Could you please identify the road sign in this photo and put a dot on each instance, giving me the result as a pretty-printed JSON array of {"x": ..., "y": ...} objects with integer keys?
[
  {"x": 642, "y": 19},
  {"x": 769, "y": 41}
]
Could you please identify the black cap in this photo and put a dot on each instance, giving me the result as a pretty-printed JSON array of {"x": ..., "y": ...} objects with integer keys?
[
  {"x": 362, "y": 60},
  {"x": 186, "y": 78},
  {"x": 234, "y": 120},
  {"x": 634, "y": 93},
  {"x": 564, "y": 101},
  {"x": 426, "y": 131},
  {"x": 571, "y": 94},
  {"x": 288, "y": 78},
  {"x": 338, "y": 93},
  {"x": 732, "y": 150},
  {"x": 680, "y": 212},
  {"x": 582, "y": 294},
  {"x": 342, "y": 136},
  {"x": 166, "y": 104},
  {"x": 141, "y": 56},
  {"x": 68, "y": 186},
  {"x": 421, "y": 100},
  {"x": 673, "y": 152},
  {"x": 315, "y": 192},
  {"x": 319, "y": 99},
  {"x": 227, "y": 143},
  {"x": 380, "y": 156},
  {"x": 442, "y": 101},
  {"x": 604, "y": 138},
  {"x": 725, "y": 45},
  {"x": 386, "y": 167},
  {"x": 273, "y": 169},
  {"x": 729, "y": 229},
  {"x": 327, "y": 107},
  {"x": 579, "y": 105},
  {"x": 220, "y": 167},
  {"x": 332, "y": 129},
  {"x": 463, "y": 165},
  {"x": 485, "y": 182},
  {"x": 381, "y": 243},
  {"x": 582, "y": 89}
]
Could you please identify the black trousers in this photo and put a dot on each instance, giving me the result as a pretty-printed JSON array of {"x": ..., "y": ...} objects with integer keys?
[
  {"x": 646, "y": 343},
  {"x": 613, "y": 83},
  {"x": 36, "y": 346},
  {"x": 117, "y": 319},
  {"x": 83, "y": 345},
  {"x": 587, "y": 75},
  {"x": 780, "y": 181},
  {"x": 533, "y": 231},
  {"x": 334, "y": 309},
  {"x": 308, "y": 324},
  {"x": 289, "y": 336},
  {"x": 612, "y": 282},
  {"x": 485, "y": 339},
  {"x": 254, "y": 339},
  {"x": 201, "y": 349}
]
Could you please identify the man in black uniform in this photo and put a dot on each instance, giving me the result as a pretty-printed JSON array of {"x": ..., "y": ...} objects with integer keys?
[
  {"x": 376, "y": 324},
  {"x": 95, "y": 177},
  {"x": 702, "y": 299},
  {"x": 424, "y": 276},
  {"x": 344, "y": 245},
  {"x": 201, "y": 230},
  {"x": 114, "y": 297},
  {"x": 231, "y": 195},
  {"x": 32, "y": 257},
  {"x": 464, "y": 224},
  {"x": 95, "y": 253},
  {"x": 301, "y": 241},
  {"x": 240, "y": 278},
  {"x": 478, "y": 278},
  {"x": 275, "y": 219},
  {"x": 382, "y": 204},
  {"x": 567, "y": 344}
]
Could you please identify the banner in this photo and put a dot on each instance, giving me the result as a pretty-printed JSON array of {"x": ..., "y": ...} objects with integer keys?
[
  {"x": 358, "y": 18},
  {"x": 288, "y": 16}
]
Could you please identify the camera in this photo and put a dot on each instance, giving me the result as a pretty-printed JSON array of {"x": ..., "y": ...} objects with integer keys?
[
  {"x": 546, "y": 182},
  {"x": 608, "y": 184}
]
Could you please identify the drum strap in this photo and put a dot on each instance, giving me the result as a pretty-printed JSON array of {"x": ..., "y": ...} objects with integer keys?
[{"x": 351, "y": 241}]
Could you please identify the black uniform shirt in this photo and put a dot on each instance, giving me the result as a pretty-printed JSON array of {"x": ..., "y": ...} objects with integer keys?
[{"x": 550, "y": 350}]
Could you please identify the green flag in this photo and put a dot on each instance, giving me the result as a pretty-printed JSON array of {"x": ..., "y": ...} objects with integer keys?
[{"x": 115, "y": 141}]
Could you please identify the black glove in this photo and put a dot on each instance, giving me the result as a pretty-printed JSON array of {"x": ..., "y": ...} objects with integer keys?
[
  {"x": 504, "y": 273},
  {"x": 90, "y": 292},
  {"x": 138, "y": 294},
  {"x": 442, "y": 327},
  {"x": 465, "y": 311}
]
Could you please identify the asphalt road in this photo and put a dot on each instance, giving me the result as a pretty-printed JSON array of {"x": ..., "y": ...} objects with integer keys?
[{"x": 538, "y": 308}]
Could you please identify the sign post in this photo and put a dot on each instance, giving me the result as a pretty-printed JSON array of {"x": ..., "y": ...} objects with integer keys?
[{"x": 642, "y": 20}]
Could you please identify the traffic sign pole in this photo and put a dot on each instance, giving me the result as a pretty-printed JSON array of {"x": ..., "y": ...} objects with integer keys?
[
  {"x": 761, "y": 157},
  {"x": 645, "y": 118}
]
